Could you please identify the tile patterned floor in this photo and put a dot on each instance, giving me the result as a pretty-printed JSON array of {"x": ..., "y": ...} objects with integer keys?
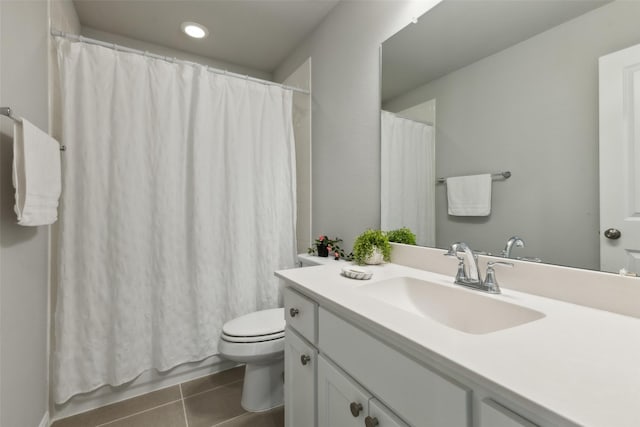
[{"x": 212, "y": 401}]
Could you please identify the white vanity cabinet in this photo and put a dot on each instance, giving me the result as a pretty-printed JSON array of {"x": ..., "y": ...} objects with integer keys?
[
  {"x": 343, "y": 402},
  {"x": 338, "y": 374}
]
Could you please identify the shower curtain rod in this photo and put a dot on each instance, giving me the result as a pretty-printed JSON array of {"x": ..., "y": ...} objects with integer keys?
[{"x": 114, "y": 46}]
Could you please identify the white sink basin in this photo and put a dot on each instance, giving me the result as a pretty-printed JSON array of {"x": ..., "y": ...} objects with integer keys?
[{"x": 465, "y": 310}]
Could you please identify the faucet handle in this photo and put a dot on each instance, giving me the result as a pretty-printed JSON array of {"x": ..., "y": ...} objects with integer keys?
[
  {"x": 461, "y": 274},
  {"x": 453, "y": 251},
  {"x": 490, "y": 281}
]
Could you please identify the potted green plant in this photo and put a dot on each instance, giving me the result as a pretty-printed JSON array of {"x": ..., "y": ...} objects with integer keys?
[
  {"x": 324, "y": 245},
  {"x": 371, "y": 247},
  {"x": 402, "y": 235}
]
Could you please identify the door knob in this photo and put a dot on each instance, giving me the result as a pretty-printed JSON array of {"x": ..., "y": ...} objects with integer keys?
[
  {"x": 355, "y": 408},
  {"x": 294, "y": 312},
  {"x": 304, "y": 359},
  {"x": 612, "y": 233}
]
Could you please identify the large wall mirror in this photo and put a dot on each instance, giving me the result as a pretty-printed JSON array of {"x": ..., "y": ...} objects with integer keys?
[{"x": 496, "y": 86}]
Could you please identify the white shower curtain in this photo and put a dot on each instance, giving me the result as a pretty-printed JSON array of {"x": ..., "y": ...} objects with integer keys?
[
  {"x": 178, "y": 205},
  {"x": 408, "y": 177}
]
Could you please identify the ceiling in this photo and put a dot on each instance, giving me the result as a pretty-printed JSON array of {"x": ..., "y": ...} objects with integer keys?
[
  {"x": 253, "y": 33},
  {"x": 457, "y": 33}
]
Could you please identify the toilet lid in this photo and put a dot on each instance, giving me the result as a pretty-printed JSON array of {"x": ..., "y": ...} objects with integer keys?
[{"x": 259, "y": 323}]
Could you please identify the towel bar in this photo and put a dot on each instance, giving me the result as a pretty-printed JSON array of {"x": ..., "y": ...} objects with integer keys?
[
  {"x": 6, "y": 111},
  {"x": 501, "y": 175}
]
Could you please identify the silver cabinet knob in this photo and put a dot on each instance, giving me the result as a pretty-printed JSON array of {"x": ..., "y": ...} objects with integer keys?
[
  {"x": 355, "y": 408},
  {"x": 305, "y": 358},
  {"x": 612, "y": 233},
  {"x": 294, "y": 312},
  {"x": 371, "y": 422}
]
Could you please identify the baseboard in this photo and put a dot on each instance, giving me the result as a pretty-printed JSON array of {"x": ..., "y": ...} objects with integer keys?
[
  {"x": 45, "y": 420},
  {"x": 146, "y": 383}
]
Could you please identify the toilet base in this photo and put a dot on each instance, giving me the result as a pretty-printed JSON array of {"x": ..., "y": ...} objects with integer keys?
[{"x": 263, "y": 387}]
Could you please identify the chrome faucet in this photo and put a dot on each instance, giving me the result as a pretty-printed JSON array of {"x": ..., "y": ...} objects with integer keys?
[
  {"x": 470, "y": 276},
  {"x": 513, "y": 241}
]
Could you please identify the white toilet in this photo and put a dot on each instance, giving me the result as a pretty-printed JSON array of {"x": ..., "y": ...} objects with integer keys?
[{"x": 257, "y": 339}]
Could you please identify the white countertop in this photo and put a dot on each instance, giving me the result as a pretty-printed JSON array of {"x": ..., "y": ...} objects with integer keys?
[{"x": 580, "y": 363}]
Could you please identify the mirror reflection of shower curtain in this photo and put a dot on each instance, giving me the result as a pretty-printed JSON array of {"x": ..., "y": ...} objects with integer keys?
[{"x": 408, "y": 177}]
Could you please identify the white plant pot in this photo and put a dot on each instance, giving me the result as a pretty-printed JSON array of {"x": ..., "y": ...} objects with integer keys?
[{"x": 375, "y": 258}]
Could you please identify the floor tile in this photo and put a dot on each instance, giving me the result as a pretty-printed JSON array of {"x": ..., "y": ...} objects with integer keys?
[
  {"x": 121, "y": 409},
  {"x": 170, "y": 415},
  {"x": 212, "y": 381},
  {"x": 274, "y": 418},
  {"x": 214, "y": 406},
  {"x": 278, "y": 416}
]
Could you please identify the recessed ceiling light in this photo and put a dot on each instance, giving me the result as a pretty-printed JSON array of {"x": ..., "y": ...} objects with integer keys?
[{"x": 194, "y": 30}]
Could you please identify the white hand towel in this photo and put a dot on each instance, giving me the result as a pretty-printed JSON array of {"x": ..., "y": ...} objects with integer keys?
[
  {"x": 36, "y": 175},
  {"x": 469, "y": 195}
]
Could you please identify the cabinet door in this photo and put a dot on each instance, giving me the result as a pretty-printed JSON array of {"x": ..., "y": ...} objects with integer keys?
[
  {"x": 341, "y": 402},
  {"x": 380, "y": 416},
  {"x": 300, "y": 364},
  {"x": 494, "y": 415}
]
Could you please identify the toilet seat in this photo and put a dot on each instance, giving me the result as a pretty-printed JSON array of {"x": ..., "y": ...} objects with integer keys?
[
  {"x": 258, "y": 338},
  {"x": 260, "y": 326}
]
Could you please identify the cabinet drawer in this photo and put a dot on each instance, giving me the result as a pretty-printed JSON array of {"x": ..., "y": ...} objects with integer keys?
[
  {"x": 415, "y": 393},
  {"x": 493, "y": 414},
  {"x": 301, "y": 313}
]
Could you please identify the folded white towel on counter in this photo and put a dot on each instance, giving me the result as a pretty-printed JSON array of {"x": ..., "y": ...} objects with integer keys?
[
  {"x": 36, "y": 175},
  {"x": 469, "y": 195}
]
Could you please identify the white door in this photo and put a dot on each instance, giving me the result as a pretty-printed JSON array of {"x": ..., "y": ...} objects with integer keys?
[
  {"x": 300, "y": 360},
  {"x": 341, "y": 402},
  {"x": 620, "y": 160}
]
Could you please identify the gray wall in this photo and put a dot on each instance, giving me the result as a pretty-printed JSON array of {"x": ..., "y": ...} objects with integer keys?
[
  {"x": 23, "y": 250},
  {"x": 346, "y": 111},
  {"x": 531, "y": 109}
]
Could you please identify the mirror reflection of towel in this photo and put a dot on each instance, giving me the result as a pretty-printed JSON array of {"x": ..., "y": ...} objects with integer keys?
[{"x": 469, "y": 195}]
